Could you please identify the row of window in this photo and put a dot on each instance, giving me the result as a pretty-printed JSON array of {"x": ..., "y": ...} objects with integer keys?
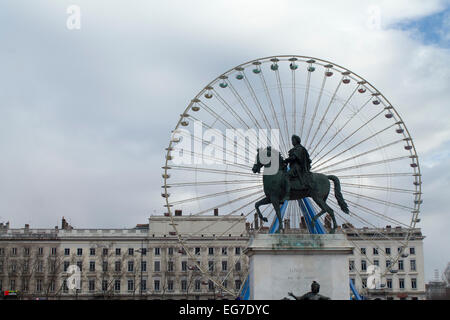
[
  {"x": 387, "y": 250},
  {"x": 117, "y": 283},
  {"x": 26, "y": 251},
  {"x": 156, "y": 266},
  {"x": 117, "y": 266},
  {"x": 400, "y": 263},
  {"x": 25, "y": 266},
  {"x": 401, "y": 283},
  {"x": 156, "y": 251},
  {"x": 157, "y": 286},
  {"x": 118, "y": 251}
]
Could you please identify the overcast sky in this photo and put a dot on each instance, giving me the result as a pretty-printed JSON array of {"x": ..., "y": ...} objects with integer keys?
[{"x": 86, "y": 114}]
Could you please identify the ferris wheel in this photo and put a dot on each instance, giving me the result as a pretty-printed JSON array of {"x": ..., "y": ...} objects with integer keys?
[{"x": 349, "y": 128}]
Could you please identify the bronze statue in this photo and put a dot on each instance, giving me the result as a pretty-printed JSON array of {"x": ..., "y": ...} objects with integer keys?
[
  {"x": 300, "y": 166},
  {"x": 312, "y": 295},
  {"x": 315, "y": 185}
]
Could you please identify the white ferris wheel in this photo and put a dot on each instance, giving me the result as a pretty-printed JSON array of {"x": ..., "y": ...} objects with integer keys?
[{"x": 349, "y": 128}]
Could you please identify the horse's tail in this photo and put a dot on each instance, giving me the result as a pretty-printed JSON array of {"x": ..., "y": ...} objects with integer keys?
[{"x": 338, "y": 194}]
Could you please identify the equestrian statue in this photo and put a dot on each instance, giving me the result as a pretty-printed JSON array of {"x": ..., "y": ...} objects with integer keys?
[{"x": 295, "y": 183}]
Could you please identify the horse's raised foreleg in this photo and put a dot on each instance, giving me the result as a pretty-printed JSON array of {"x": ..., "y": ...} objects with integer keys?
[{"x": 261, "y": 203}]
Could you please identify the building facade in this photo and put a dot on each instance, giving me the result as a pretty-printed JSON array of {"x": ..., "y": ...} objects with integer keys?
[
  {"x": 150, "y": 262},
  {"x": 145, "y": 262},
  {"x": 401, "y": 263}
]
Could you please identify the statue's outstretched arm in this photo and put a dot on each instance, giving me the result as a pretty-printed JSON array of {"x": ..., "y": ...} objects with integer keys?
[{"x": 292, "y": 295}]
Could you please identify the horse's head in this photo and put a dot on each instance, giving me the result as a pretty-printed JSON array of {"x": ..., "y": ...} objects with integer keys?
[
  {"x": 258, "y": 165},
  {"x": 265, "y": 158}
]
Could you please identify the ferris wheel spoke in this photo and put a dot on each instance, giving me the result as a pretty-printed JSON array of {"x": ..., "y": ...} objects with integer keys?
[
  {"x": 283, "y": 110},
  {"x": 370, "y": 211},
  {"x": 375, "y": 187},
  {"x": 364, "y": 140},
  {"x": 355, "y": 243},
  {"x": 346, "y": 138},
  {"x": 316, "y": 108},
  {"x": 229, "y": 108},
  {"x": 224, "y": 232},
  {"x": 283, "y": 107},
  {"x": 220, "y": 147},
  {"x": 357, "y": 233},
  {"x": 256, "y": 100},
  {"x": 229, "y": 202},
  {"x": 211, "y": 183},
  {"x": 294, "y": 102},
  {"x": 237, "y": 259},
  {"x": 333, "y": 97},
  {"x": 295, "y": 215},
  {"x": 342, "y": 128},
  {"x": 222, "y": 218},
  {"x": 305, "y": 102},
  {"x": 215, "y": 115},
  {"x": 224, "y": 122},
  {"x": 367, "y": 164},
  {"x": 334, "y": 120},
  {"x": 376, "y": 175},
  {"x": 207, "y": 170},
  {"x": 209, "y": 127},
  {"x": 320, "y": 165},
  {"x": 213, "y": 195},
  {"x": 375, "y": 229},
  {"x": 375, "y": 200},
  {"x": 274, "y": 114},
  {"x": 376, "y": 214},
  {"x": 227, "y": 140},
  {"x": 218, "y": 160},
  {"x": 244, "y": 105}
]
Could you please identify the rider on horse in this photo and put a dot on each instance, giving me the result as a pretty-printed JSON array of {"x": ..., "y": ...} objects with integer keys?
[{"x": 300, "y": 166}]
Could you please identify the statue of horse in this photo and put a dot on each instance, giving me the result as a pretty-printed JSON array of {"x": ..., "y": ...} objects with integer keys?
[{"x": 275, "y": 190}]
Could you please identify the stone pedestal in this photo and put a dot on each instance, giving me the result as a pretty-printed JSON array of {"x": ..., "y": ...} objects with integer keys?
[{"x": 282, "y": 263}]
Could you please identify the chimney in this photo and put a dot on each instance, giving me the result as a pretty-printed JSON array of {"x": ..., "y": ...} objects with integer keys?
[
  {"x": 178, "y": 213},
  {"x": 256, "y": 221},
  {"x": 287, "y": 223},
  {"x": 27, "y": 227},
  {"x": 216, "y": 212},
  {"x": 302, "y": 223},
  {"x": 64, "y": 224}
]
